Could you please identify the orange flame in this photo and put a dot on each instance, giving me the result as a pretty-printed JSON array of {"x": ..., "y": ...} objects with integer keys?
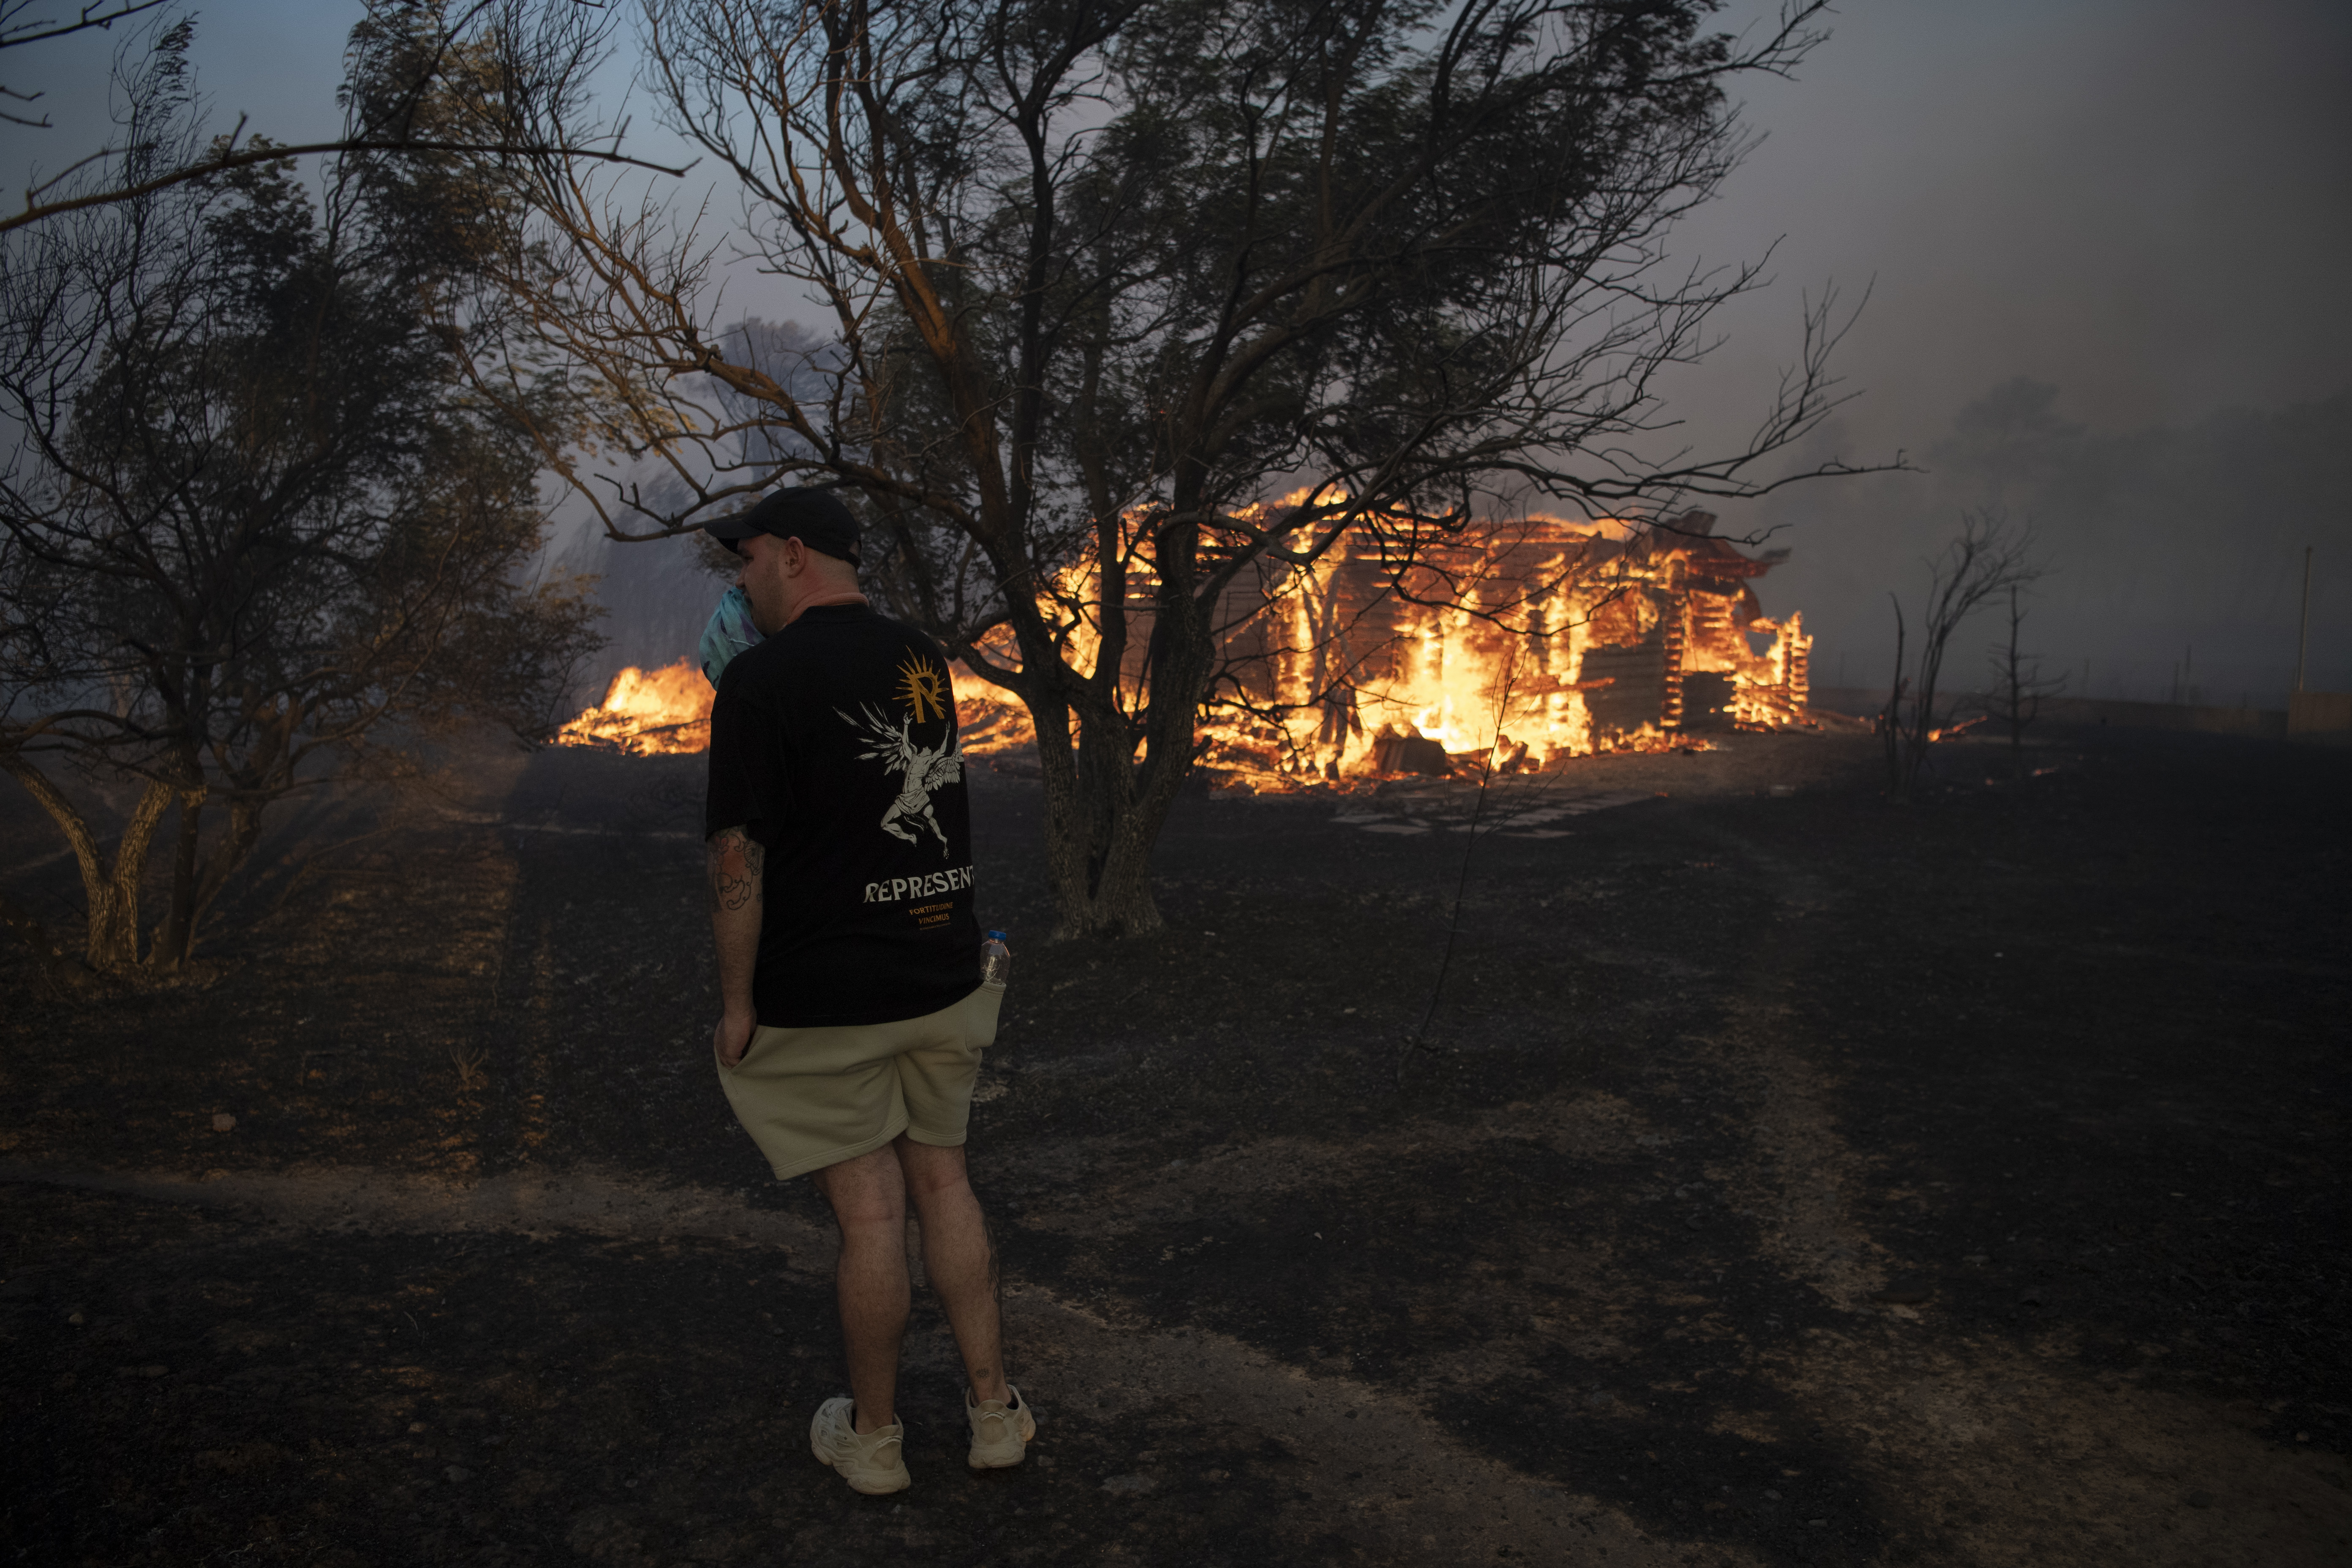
[
  {"x": 989, "y": 718},
  {"x": 1548, "y": 639},
  {"x": 647, "y": 712},
  {"x": 667, "y": 710}
]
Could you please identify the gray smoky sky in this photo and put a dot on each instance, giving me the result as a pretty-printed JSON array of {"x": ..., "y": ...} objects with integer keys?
[
  {"x": 2145, "y": 206},
  {"x": 2106, "y": 242}
]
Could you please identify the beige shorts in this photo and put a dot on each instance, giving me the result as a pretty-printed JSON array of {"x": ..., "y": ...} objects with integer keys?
[{"x": 812, "y": 1097}]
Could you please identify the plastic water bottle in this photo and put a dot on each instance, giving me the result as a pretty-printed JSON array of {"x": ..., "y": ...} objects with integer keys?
[{"x": 995, "y": 960}]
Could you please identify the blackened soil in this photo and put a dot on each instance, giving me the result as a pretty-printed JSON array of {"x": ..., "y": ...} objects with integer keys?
[{"x": 1793, "y": 1177}]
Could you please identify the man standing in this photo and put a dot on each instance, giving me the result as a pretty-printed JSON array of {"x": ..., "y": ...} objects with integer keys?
[{"x": 855, "y": 1014}]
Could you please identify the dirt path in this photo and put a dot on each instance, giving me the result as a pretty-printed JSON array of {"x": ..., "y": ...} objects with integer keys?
[
  {"x": 1366, "y": 1471},
  {"x": 1362, "y": 1466},
  {"x": 1791, "y": 1180}
]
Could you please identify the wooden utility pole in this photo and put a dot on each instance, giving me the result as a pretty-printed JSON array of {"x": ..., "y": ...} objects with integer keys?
[{"x": 2303, "y": 638}]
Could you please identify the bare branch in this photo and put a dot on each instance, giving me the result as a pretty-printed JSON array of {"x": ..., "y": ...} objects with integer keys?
[
  {"x": 1988, "y": 558},
  {"x": 214, "y": 165},
  {"x": 1100, "y": 286},
  {"x": 15, "y": 33}
]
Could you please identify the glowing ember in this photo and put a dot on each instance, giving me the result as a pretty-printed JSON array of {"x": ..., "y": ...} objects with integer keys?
[
  {"x": 645, "y": 712},
  {"x": 990, "y": 721},
  {"x": 648, "y": 711}
]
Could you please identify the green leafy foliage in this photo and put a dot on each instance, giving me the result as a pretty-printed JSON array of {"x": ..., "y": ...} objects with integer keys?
[{"x": 257, "y": 535}]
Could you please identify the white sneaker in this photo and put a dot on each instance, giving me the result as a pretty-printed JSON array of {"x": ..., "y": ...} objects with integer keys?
[
  {"x": 1000, "y": 1431},
  {"x": 869, "y": 1461}
]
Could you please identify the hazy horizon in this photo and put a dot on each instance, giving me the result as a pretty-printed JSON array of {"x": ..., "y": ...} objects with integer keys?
[{"x": 2139, "y": 204}]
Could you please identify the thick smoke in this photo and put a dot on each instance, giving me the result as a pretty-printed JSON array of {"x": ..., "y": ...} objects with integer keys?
[
  {"x": 657, "y": 594},
  {"x": 2141, "y": 204},
  {"x": 2175, "y": 553},
  {"x": 2138, "y": 203}
]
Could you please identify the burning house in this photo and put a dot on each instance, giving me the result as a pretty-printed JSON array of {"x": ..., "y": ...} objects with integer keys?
[
  {"x": 1543, "y": 637},
  {"x": 1547, "y": 638}
]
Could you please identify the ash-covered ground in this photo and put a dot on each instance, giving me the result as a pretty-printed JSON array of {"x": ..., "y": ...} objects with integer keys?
[{"x": 1794, "y": 1176}]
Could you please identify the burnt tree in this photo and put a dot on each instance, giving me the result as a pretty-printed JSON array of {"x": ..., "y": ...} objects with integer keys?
[
  {"x": 252, "y": 535},
  {"x": 1130, "y": 297},
  {"x": 2019, "y": 685},
  {"x": 1987, "y": 559},
  {"x": 397, "y": 125}
]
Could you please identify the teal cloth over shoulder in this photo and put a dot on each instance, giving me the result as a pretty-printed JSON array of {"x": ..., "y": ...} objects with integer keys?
[{"x": 730, "y": 631}]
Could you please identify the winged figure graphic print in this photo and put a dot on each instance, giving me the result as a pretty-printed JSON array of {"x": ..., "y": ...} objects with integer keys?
[{"x": 921, "y": 769}]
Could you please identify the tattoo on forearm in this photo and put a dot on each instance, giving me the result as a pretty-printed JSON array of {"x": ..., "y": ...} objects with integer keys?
[{"x": 736, "y": 861}]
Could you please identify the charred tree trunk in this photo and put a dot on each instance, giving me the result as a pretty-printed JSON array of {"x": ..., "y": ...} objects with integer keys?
[
  {"x": 1099, "y": 856},
  {"x": 228, "y": 856},
  {"x": 1096, "y": 823},
  {"x": 175, "y": 938},
  {"x": 1890, "y": 723},
  {"x": 2021, "y": 693},
  {"x": 109, "y": 883},
  {"x": 1987, "y": 558},
  {"x": 1104, "y": 809}
]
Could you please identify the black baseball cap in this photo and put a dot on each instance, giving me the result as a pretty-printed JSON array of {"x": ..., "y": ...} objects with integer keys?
[{"x": 815, "y": 517}]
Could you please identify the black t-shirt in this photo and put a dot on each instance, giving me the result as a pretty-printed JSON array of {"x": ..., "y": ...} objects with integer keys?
[{"x": 834, "y": 744}]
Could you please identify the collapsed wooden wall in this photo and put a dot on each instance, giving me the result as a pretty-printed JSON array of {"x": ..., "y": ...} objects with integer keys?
[
  {"x": 1616, "y": 638},
  {"x": 1599, "y": 636}
]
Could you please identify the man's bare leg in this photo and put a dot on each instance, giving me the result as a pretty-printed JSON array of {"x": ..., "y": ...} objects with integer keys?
[
  {"x": 959, "y": 1260},
  {"x": 869, "y": 1203}
]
